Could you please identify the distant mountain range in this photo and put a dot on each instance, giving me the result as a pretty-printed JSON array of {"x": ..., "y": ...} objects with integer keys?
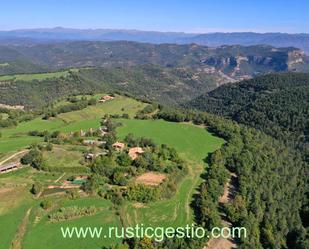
[
  {"x": 300, "y": 41},
  {"x": 225, "y": 63}
]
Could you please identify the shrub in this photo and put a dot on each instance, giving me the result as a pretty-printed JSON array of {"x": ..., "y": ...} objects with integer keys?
[
  {"x": 46, "y": 204},
  {"x": 36, "y": 188}
]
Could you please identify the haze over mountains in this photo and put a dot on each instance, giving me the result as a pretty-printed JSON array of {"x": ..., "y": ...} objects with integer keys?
[{"x": 300, "y": 41}]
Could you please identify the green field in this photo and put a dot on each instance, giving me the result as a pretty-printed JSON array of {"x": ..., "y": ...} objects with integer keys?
[
  {"x": 60, "y": 156},
  {"x": 36, "y": 76},
  {"x": 47, "y": 235},
  {"x": 193, "y": 143}
]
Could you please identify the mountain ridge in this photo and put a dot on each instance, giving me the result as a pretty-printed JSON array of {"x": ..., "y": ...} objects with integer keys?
[
  {"x": 276, "y": 39},
  {"x": 230, "y": 63}
]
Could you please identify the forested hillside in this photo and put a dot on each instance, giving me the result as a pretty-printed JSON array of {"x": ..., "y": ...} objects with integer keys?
[
  {"x": 277, "y": 104},
  {"x": 154, "y": 83}
]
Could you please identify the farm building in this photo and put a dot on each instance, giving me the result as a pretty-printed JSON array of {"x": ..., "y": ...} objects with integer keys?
[
  {"x": 105, "y": 98},
  {"x": 135, "y": 152},
  {"x": 9, "y": 167},
  {"x": 118, "y": 146}
]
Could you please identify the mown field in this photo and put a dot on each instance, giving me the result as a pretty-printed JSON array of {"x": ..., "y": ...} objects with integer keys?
[
  {"x": 192, "y": 142},
  {"x": 36, "y": 76}
]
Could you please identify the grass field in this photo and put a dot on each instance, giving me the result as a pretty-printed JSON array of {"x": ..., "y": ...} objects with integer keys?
[
  {"x": 36, "y": 76},
  {"x": 61, "y": 157},
  {"x": 48, "y": 235},
  {"x": 193, "y": 143},
  {"x": 9, "y": 225}
]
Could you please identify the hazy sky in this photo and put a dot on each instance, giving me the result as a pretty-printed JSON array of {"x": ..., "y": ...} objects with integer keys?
[{"x": 164, "y": 15}]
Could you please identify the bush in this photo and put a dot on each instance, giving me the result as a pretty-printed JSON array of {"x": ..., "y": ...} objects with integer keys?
[
  {"x": 46, "y": 204},
  {"x": 67, "y": 213},
  {"x": 142, "y": 193},
  {"x": 36, "y": 188}
]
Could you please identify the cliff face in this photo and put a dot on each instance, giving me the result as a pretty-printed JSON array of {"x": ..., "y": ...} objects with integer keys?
[{"x": 241, "y": 63}]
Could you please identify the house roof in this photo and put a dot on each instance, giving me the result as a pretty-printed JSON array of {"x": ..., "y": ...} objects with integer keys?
[{"x": 135, "y": 151}]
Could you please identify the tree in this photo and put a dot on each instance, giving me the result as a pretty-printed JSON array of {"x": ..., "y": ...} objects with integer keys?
[
  {"x": 49, "y": 147},
  {"x": 36, "y": 188},
  {"x": 34, "y": 157},
  {"x": 123, "y": 159}
]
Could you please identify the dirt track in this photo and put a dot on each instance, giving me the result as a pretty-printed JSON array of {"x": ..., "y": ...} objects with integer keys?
[
  {"x": 12, "y": 156},
  {"x": 227, "y": 197}
]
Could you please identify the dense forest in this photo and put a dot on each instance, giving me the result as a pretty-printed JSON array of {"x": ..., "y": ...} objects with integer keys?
[{"x": 276, "y": 104}]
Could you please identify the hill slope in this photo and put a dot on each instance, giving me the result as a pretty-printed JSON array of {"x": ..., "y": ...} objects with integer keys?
[
  {"x": 277, "y": 104},
  {"x": 154, "y": 83}
]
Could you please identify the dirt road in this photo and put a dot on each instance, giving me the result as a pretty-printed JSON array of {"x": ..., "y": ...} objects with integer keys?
[{"x": 12, "y": 156}]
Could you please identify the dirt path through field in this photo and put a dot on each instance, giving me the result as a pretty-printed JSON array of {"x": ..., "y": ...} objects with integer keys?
[
  {"x": 12, "y": 156},
  {"x": 17, "y": 241}
]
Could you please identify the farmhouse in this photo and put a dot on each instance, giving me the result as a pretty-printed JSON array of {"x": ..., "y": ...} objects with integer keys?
[
  {"x": 118, "y": 146},
  {"x": 105, "y": 98},
  {"x": 9, "y": 167},
  {"x": 135, "y": 152}
]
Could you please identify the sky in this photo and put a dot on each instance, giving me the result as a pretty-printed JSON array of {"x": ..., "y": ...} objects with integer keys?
[{"x": 193, "y": 16}]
